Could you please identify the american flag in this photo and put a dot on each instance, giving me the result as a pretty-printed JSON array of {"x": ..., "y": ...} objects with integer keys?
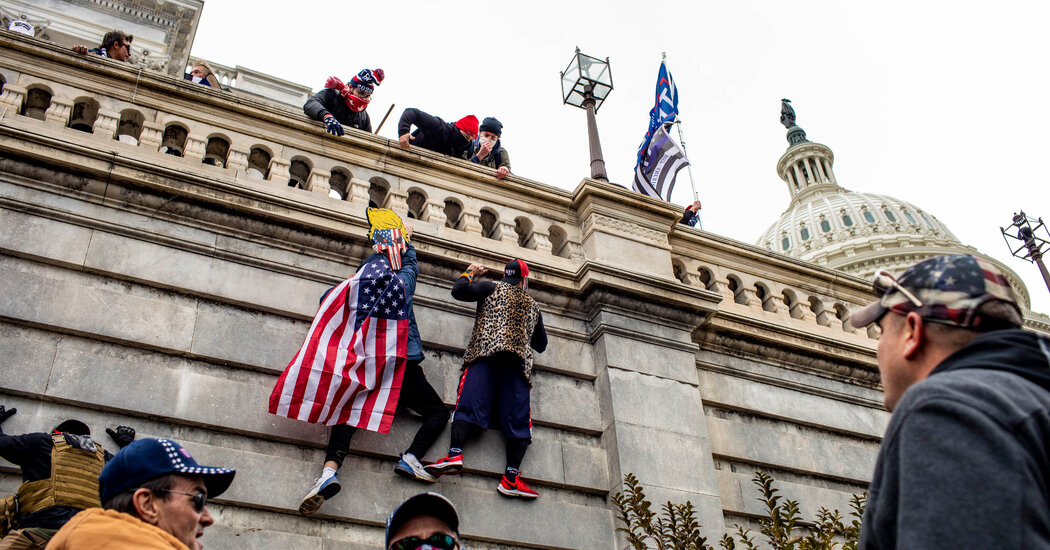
[
  {"x": 349, "y": 369},
  {"x": 951, "y": 287}
]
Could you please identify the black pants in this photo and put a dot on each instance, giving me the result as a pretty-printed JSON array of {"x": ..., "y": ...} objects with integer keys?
[{"x": 417, "y": 395}]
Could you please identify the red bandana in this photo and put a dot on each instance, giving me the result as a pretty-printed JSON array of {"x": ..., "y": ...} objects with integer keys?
[{"x": 353, "y": 102}]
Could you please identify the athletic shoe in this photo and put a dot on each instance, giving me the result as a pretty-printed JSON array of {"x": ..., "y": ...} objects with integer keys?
[
  {"x": 451, "y": 464},
  {"x": 516, "y": 489},
  {"x": 410, "y": 467},
  {"x": 325, "y": 488}
]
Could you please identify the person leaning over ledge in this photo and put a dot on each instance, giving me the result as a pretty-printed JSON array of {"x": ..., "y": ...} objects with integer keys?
[
  {"x": 965, "y": 462},
  {"x": 154, "y": 497},
  {"x": 339, "y": 103},
  {"x": 427, "y": 521},
  {"x": 434, "y": 134},
  {"x": 488, "y": 150},
  {"x": 115, "y": 45},
  {"x": 691, "y": 214},
  {"x": 203, "y": 75}
]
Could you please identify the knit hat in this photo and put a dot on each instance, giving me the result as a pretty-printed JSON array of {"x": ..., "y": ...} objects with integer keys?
[
  {"x": 147, "y": 459},
  {"x": 947, "y": 290},
  {"x": 490, "y": 124},
  {"x": 367, "y": 79},
  {"x": 515, "y": 271},
  {"x": 469, "y": 124}
]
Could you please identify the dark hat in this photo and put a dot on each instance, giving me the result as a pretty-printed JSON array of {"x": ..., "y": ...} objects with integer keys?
[
  {"x": 490, "y": 124},
  {"x": 423, "y": 504},
  {"x": 949, "y": 290},
  {"x": 73, "y": 426},
  {"x": 150, "y": 458},
  {"x": 515, "y": 271}
]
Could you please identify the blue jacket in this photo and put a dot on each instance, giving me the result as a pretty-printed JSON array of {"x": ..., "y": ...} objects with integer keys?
[{"x": 408, "y": 273}]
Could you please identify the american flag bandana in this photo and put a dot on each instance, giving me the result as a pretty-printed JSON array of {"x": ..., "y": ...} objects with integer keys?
[{"x": 391, "y": 243}]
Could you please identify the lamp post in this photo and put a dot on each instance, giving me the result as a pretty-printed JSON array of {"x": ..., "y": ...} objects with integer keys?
[
  {"x": 585, "y": 83},
  {"x": 1032, "y": 244}
]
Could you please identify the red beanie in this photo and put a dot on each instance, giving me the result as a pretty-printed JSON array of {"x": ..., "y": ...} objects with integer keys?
[{"x": 468, "y": 124}]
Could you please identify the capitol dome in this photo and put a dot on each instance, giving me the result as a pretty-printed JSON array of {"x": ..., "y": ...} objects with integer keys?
[{"x": 858, "y": 233}]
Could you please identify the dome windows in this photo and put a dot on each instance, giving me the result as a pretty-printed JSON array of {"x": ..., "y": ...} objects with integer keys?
[
  {"x": 869, "y": 217},
  {"x": 804, "y": 233},
  {"x": 785, "y": 243},
  {"x": 890, "y": 216},
  {"x": 909, "y": 217},
  {"x": 847, "y": 221},
  {"x": 825, "y": 226}
]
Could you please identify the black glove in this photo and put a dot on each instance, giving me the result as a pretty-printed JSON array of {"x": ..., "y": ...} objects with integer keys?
[
  {"x": 6, "y": 413},
  {"x": 332, "y": 125},
  {"x": 123, "y": 435}
]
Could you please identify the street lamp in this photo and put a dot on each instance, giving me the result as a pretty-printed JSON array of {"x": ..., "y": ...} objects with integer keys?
[
  {"x": 585, "y": 83},
  {"x": 1032, "y": 244}
]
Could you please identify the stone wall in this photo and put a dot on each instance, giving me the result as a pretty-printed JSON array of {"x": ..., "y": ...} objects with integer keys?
[{"x": 142, "y": 288}]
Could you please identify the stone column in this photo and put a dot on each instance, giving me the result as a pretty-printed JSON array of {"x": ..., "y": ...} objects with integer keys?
[
  {"x": 543, "y": 241},
  {"x": 507, "y": 233},
  {"x": 318, "y": 182},
  {"x": 106, "y": 124},
  {"x": 238, "y": 160},
  {"x": 397, "y": 201},
  {"x": 12, "y": 98},
  {"x": 358, "y": 193},
  {"x": 800, "y": 311},
  {"x": 471, "y": 221},
  {"x": 818, "y": 162},
  {"x": 58, "y": 112},
  {"x": 152, "y": 135},
  {"x": 798, "y": 175},
  {"x": 195, "y": 147},
  {"x": 279, "y": 170},
  {"x": 435, "y": 213}
]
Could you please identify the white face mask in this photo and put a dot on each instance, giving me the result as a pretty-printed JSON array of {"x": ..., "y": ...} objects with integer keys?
[
  {"x": 483, "y": 141},
  {"x": 196, "y": 79}
]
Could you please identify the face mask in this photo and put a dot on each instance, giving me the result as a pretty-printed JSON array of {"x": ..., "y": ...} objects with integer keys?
[
  {"x": 355, "y": 103},
  {"x": 196, "y": 79}
]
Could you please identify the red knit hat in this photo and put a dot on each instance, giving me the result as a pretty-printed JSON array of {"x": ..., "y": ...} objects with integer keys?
[{"x": 468, "y": 124}]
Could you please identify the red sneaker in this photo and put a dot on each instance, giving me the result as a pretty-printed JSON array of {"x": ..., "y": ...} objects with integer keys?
[
  {"x": 451, "y": 464},
  {"x": 516, "y": 489}
]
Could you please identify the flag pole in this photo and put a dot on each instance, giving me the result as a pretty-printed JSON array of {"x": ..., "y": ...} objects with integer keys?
[{"x": 688, "y": 167}]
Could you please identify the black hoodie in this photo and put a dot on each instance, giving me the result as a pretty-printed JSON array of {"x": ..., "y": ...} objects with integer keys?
[{"x": 966, "y": 458}]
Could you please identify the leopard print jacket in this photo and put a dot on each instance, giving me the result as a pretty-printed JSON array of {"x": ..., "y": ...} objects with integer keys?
[{"x": 505, "y": 322}]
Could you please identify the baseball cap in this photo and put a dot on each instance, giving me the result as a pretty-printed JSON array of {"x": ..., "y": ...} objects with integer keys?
[
  {"x": 944, "y": 289},
  {"x": 423, "y": 504},
  {"x": 150, "y": 458},
  {"x": 515, "y": 271}
]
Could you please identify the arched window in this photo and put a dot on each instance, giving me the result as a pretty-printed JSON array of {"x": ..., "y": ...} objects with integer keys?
[
  {"x": 679, "y": 271},
  {"x": 129, "y": 129},
  {"x": 216, "y": 151},
  {"x": 259, "y": 163},
  {"x": 377, "y": 190},
  {"x": 340, "y": 183},
  {"x": 909, "y": 217},
  {"x": 927, "y": 220},
  {"x": 559, "y": 241},
  {"x": 82, "y": 116},
  {"x": 489, "y": 224},
  {"x": 417, "y": 204},
  {"x": 707, "y": 278},
  {"x": 174, "y": 140},
  {"x": 523, "y": 227},
  {"x": 36, "y": 103},
  {"x": 785, "y": 243},
  {"x": 453, "y": 213},
  {"x": 805, "y": 234},
  {"x": 299, "y": 173}
]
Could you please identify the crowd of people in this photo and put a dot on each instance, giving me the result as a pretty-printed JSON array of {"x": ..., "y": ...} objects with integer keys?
[{"x": 965, "y": 462}]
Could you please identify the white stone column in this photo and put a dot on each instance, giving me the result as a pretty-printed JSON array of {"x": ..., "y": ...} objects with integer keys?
[
  {"x": 827, "y": 170},
  {"x": 507, "y": 233},
  {"x": 435, "y": 213},
  {"x": 194, "y": 147},
  {"x": 817, "y": 163},
  {"x": 318, "y": 182},
  {"x": 397, "y": 201},
  {"x": 11, "y": 100},
  {"x": 543, "y": 241},
  {"x": 471, "y": 221},
  {"x": 279, "y": 170},
  {"x": 106, "y": 124},
  {"x": 358, "y": 193},
  {"x": 798, "y": 175},
  {"x": 152, "y": 135},
  {"x": 58, "y": 112},
  {"x": 238, "y": 160}
]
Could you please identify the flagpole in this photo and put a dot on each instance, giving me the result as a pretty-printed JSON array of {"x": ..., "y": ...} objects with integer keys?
[{"x": 681, "y": 138}]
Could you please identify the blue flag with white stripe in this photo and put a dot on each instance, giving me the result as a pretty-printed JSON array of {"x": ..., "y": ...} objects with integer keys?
[{"x": 665, "y": 109}]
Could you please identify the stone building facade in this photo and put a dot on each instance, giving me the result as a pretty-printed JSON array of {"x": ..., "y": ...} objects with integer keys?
[{"x": 168, "y": 291}]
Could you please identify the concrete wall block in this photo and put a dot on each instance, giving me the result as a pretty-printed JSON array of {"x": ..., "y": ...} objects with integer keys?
[
  {"x": 666, "y": 459},
  {"x": 740, "y": 495},
  {"x": 769, "y": 443},
  {"x": 46, "y": 296},
  {"x": 657, "y": 403},
  {"x": 27, "y": 358},
  {"x": 778, "y": 402},
  {"x": 192, "y": 272},
  {"x": 565, "y": 401},
  {"x": 247, "y": 337},
  {"x": 57, "y": 242},
  {"x": 630, "y": 354}
]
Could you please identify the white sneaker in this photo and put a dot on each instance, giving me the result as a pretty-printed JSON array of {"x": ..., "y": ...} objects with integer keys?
[
  {"x": 410, "y": 467},
  {"x": 326, "y": 487}
]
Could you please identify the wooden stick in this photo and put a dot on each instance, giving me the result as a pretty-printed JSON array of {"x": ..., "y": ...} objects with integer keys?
[{"x": 384, "y": 117}]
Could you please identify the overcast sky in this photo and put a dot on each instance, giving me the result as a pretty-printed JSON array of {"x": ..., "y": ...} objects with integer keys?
[{"x": 939, "y": 104}]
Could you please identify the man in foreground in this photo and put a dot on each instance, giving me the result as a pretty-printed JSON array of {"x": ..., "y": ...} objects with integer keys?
[
  {"x": 427, "y": 521},
  {"x": 965, "y": 462},
  {"x": 154, "y": 497}
]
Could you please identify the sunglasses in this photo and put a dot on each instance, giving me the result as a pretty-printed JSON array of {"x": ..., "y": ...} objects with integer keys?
[
  {"x": 883, "y": 282},
  {"x": 434, "y": 542},
  {"x": 199, "y": 499}
]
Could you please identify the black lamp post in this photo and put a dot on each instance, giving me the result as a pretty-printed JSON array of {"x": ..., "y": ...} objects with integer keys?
[
  {"x": 1031, "y": 243},
  {"x": 585, "y": 83}
]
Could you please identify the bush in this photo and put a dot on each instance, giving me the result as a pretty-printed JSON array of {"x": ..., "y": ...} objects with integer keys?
[{"x": 676, "y": 527}]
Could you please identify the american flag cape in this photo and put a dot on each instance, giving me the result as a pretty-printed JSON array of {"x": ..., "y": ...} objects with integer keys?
[
  {"x": 655, "y": 174},
  {"x": 349, "y": 369}
]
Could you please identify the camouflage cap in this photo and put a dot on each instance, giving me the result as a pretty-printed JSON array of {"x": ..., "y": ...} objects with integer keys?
[{"x": 949, "y": 290}]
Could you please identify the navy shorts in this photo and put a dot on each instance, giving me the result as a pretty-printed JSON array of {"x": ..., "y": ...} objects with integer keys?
[{"x": 495, "y": 382}]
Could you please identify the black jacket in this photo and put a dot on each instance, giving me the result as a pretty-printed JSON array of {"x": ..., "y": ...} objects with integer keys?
[
  {"x": 966, "y": 458},
  {"x": 330, "y": 102},
  {"x": 432, "y": 133}
]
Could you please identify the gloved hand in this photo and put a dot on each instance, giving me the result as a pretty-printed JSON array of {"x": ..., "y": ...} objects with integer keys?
[
  {"x": 123, "y": 435},
  {"x": 6, "y": 413},
  {"x": 332, "y": 125}
]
